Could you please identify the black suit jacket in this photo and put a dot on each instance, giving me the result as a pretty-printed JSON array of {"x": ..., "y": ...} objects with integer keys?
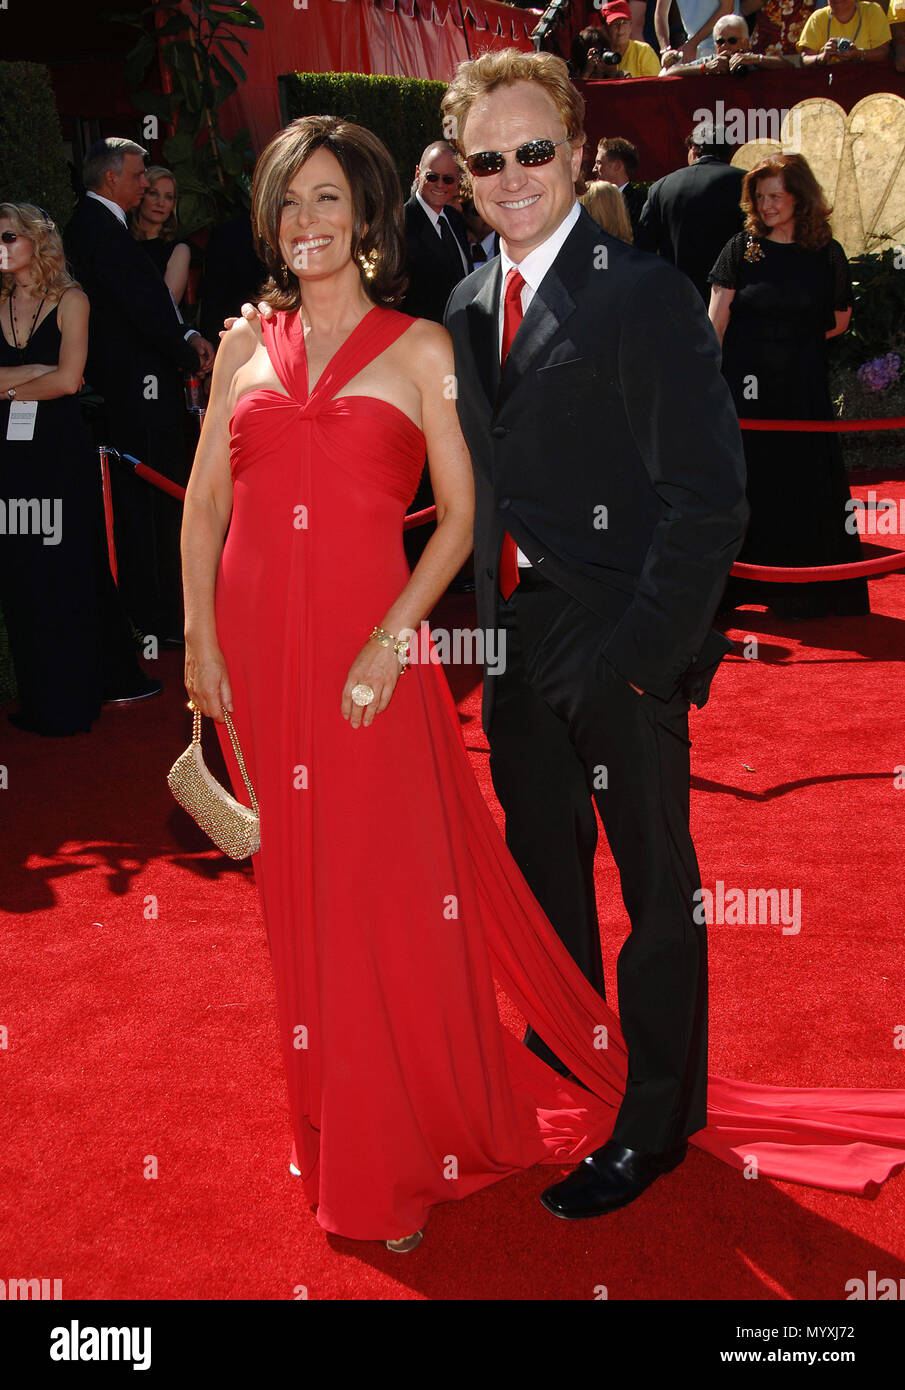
[
  {"x": 635, "y": 197},
  {"x": 232, "y": 274},
  {"x": 134, "y": 332},
  {"x": 611, "y": 397},
  {"x": 431, "y": 270},
  {"x": 690, "y": 215}
]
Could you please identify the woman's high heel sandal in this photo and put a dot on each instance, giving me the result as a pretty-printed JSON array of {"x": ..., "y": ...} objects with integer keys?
[{"x": 407, "y": 1243}]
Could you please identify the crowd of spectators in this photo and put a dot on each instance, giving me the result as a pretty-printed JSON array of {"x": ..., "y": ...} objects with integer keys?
[{"x": 679, "y": 38}]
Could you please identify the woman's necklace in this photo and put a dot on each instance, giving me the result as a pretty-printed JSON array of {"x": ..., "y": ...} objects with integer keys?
[{"x": 12, "y": 324}]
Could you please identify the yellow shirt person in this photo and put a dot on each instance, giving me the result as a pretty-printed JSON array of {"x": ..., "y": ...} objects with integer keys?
[
  {"x": 636, "y": 59},
  {"x": 640, "y": 60},
  {"x": 861, "y": 22}
]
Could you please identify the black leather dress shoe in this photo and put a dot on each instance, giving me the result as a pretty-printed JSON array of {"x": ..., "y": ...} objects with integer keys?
[{"x": 607, "y": 1179}]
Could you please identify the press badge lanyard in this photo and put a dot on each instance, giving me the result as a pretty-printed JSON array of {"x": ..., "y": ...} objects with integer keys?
[
  {"x": 22, "y": 414},
  {"x": 857, "y": 31}
]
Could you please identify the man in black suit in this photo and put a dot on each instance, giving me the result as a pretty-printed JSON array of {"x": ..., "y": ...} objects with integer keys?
[
  {"x": 610, "y": 502},
  {"x": 436, "y": 242},
  {"x": 437, "y": 256},
  {"x": 618, "y": 162},
  {"x": 136, "y": 346},
  {"x": 691, "y": 214}
]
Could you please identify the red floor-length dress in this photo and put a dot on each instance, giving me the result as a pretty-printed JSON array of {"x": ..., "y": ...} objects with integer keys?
[{"x": 389, "y": 897}]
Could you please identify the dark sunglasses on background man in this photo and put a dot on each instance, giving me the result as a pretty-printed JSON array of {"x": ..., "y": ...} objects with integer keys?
[
  {"x": 444, "y": 178},
  {"x": 531, "y": 155}
]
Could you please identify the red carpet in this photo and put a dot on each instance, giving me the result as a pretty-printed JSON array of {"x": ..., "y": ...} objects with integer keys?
[{"x": 145, "y": 1131}]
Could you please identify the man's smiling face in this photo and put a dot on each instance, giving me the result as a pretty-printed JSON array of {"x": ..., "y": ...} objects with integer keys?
[{"x": 524, "y": 205}]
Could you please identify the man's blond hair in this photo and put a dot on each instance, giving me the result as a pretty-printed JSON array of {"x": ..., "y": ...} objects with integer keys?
[{"x": 492, "y": 70}]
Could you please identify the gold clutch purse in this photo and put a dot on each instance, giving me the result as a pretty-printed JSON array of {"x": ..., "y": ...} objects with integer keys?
[{"x": 234, "y": 828}]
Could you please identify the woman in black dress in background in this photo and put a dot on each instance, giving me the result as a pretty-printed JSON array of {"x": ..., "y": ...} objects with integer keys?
[
  {"x": 153, "y": 223},
  {"x": 780, "y": 288},
  {"x": 68, "y": 635}
]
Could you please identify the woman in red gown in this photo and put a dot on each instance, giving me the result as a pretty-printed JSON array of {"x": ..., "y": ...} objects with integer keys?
[{"x": 389, "y": 898}]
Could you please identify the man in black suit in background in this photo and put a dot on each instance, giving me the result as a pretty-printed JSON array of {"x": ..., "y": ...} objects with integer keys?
[
  {"x": 610, "y": 503},
  {"x": 137, "y": 344},
  {"x": 691, "y": 214},
  {"x": 436, "y": 242},
  {"x": 232, "y": 273},
  {"x": 618, "y": 162},
  {"x": 437, "y": 256}
]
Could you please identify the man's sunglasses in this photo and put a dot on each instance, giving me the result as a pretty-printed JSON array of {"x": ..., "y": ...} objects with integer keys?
[
  {"x": 531, "y": 155},
  {"x": 444, "y": 178},
  {"x": 733, "y": 39}
]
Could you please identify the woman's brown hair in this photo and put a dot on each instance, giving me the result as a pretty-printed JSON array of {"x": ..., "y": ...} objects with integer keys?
[
  {"x": 812, "y": 213},
  {"x": 378, "y": 245}
]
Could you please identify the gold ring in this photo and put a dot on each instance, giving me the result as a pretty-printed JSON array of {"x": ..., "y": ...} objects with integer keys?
[{"x": 362, "y": 695}]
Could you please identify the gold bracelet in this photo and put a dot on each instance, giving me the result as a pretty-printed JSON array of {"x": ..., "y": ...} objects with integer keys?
[{"x": 387, "y": 639}]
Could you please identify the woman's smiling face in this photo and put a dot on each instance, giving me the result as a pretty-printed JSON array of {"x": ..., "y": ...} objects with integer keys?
[{"x": 318, "y": 218}]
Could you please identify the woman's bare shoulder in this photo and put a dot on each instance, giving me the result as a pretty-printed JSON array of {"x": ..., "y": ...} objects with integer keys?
[
  {"x": 240, "y": 342},
  {"x": 73, "y": 300},
  {"x": 427, "y": 347}
]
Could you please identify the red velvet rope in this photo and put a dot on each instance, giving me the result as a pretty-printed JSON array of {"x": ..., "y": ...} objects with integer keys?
[
  {"x": 892, "y": 422},
  {"x": 152, "y": 476},
  {"x": 803, "y": 574},
  {"x": 799, "y": 574},
  {"x": 815, "y": 574}
]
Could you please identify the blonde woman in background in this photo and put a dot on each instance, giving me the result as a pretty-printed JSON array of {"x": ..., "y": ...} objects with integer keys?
[
  {"x": 607, "y": 207},
  {"x": 68, "y": 635},
  {"x": 153, "y": 223}
]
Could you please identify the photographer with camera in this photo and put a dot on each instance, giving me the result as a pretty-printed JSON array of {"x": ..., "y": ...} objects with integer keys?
[
  {"x": 611, "y": 51},
  {"x": 733, "y": 53},
  {"x": 845, "y": 31}
]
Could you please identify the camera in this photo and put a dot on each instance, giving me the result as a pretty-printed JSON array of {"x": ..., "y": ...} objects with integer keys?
[
  {"x": 843, "y": 45},
  {"x": 606, "y": 56}
]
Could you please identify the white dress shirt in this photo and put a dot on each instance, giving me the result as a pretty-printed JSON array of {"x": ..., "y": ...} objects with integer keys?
[
  {"x": 112, "y": 207},
  {"x": 435, "y": 221},
  {"x": 532, "y": 269}
]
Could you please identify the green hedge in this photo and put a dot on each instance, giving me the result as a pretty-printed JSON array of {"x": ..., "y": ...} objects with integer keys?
[
  {"x": 33, "y": 167},
  {"x": 403, "y": 111}
]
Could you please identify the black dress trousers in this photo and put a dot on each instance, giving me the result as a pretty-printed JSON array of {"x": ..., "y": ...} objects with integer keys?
[{"x": 567, "y": 729}]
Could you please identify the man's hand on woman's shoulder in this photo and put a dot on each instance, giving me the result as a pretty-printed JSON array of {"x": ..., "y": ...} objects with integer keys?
[{"x": 251, "y": 314}]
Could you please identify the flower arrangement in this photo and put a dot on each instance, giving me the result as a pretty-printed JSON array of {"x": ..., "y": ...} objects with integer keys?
[{"x": 880, "y": 372}]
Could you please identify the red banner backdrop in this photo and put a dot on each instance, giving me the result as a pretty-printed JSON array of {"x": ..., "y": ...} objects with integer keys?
[
  {"x": 656, "y": 113},
  {"x": 401, "y": 38}
]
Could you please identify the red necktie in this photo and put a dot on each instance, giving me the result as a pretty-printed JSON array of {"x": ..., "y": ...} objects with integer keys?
[{"x": 512, "y": 317}]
